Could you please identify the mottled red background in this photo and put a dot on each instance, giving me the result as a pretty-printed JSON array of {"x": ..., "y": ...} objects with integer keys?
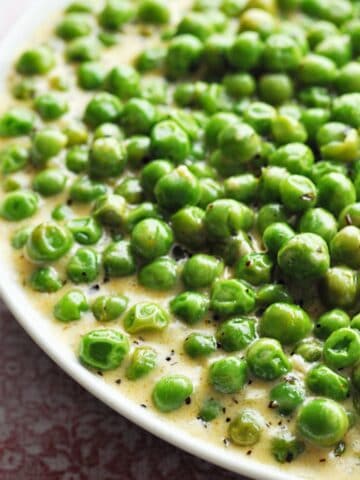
[{"x": 51, "y": 429}]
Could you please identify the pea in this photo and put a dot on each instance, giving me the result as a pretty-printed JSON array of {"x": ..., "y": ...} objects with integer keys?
[
  {"x": 138, "y": 116},
  {"x": 201, "y": 270},
  {"x": 76, "y": 133},
  {"x": 270, "y": 182},
  {"x": 342, "y": 347},
  {"x": 199, "y": 345},
  {"x": 177, "y": 189},
  {"x": 107, "y": 158},
  {"x": 13, "y": 158},
  {"x": 86, "y": 230},
  {"x": 287, "y": 129},
  {"x": 142, "y": 212},
  {"x": 118, "y": 260},
  {"x": 83, "y": 49},
  {"x": 322, "y": 168},
  {"x": 146, "y": 316},
  {"x": 228, "y": 375},
  {"x": 115, "y": 14},
  {"x": 287, "y": 448},
  {"x": 37, "y": 61},
  {"x": 45, "y": 279},
  {"x": 19, "y": 205},
  {"x": 245, "y": 429},
  {"x": 226, "y": 217},
  {"x": 170, "y": 392},
  {"x": 246, "y": 51},
  {"x": 288, "y": 395},
  {"x": 297, "y": 158},
  {"x": 191, "y": 307},
  {"x": 90, "y": 75},
  {"x": 47, "y": 143},
  {"x": 272, "y": 293},
  {"x": 260, "y": 116},
  {"x": 150, "y": 59},
  {"x": 50, "y": 106},
  {"x": 49, "y": 182},
  {"x": 71, "y": 306},
  {"x": 310, "y": 349},
  {"x": 169, "y": 140},
  {"x": 336, "y": 192},
  {"x": 350, "y": 215},
  {"x": 215, "y": 125},
  {"x": 254, "y": 268},
  {"x": 298, "y": 193},
  {"x": 231, "y": 297},
  {"x": 319, "y": 221},
  {"x": 77, "y": 159},
  {"x": 236, "y": 333},
  {"x": 240, "y": 141},
  {"x": 154, "y": 11},
  {"x": 61, "y": 212},
  {"x": 20, "y": 237},
  {"x": 83, "y": 266},
  {"x": 276, "y": 236},
  {"x": 330, "y": 321},
  {"x": 355, "y": 322},
  {"x": 108, "y": 308},
  {"x": 160, "y": 274},
  {"x": 322, "y": 422},
  {"x": 103, "y": 349},
  {"x": 323, "y": 381},
  {"x": 209, "y": 410},
  {"x": 102, "y": 108},
  {"x": 16, "y": 122},
  {"x": 338, "y": 142},
  {"x": 269, "y": 214},
  {"x": 345, "y": 109},
  {"x": 151, "y": 238},
  {"x": 339, "y": 287},
  {"x": 267, "y": 360},
  {"x": 344, "y": 247},
  {"x": 142, "y": 362},
  {"x": 183, "y": 55}
]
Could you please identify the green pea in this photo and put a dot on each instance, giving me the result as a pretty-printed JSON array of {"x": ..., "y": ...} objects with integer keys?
[
  {"x": 199, "y": 345},
  {"x": 322, "y": 168},
  {"x": 285, "y": 449},
  {"x": 107, "y": 158},
  {"x": 116, "y": 13},
  {"x": 231, "y": 297},
  {"x": 242, "y": 188},
  {"x": 287, "y": 129},
  {"x": 239, "y": 85},
  {"x": 297, "y": 158},
  {"x": 154, "y": 11},
  {"x": 25, "y": 89},
  {"x": 267, "y": 360},
  {"x": 177, "y": 189},
  {"x": 142, "y": 212},
  {"x": 260, "y": 116},
  {"x": 276, "y": 236},
  {"x": 226, "y": 217},
  {"x": 123, "y": 81},
  {"x": 13, "y": 158},
  {"x": 255, "y": 268},
  {"x": 323, "y": 381},
  {"x": 215, "y": 125},
  {"x": 20, "y": 237},
  {"x": 189, "y": 226},
  {"x": 345, "y": 245},
  {"x": 236, "y": 333},
  {"x": 130, "y": 189},
  {"x": 246, "y": 51},
  {"x": 339, "y": 287},
  {"x": 275, "y": 88},
  {"x": 152, "y": 173},
  {"x": 313, "y": 119},
  {"x": 146, "y": 316},
  {"x": 118, "y": 260},
  {"x": 210, "y": 191},
  {"x": 228, "y": 375},
  {"x": 355, "y": 322},
  {"x": 37, "y": 61},
  {"x": 169, "y": 140},
  {"x": 355, "y": 378},
  {"x": 74, "y": 25},
  {"x": 138, "y": 150},
  {"x": 269, "y": 214},
  {"x": 71, "y": 306},
  {"x": 49, "y": 182},
  {"x": 345, "y": 109},
  {"x": 110, "y": 210},
  {"x": 191, "y": 307},
  {"x": 320, "y": 222},
  {"x": 90, "y": 75},
  {"x": 45, "y": 279},
  {"x": 109, "y": 307},
  {"x": 83, "y": 49},
  {"x": 288, "y": 395},
  {"x": 171, "y": 392},
  {"x": 210, "y": 410},
  {"x": 61, "y": 212},
  {"x": 151, "y": 58},
  {"x": 322, "y": 422},
  {"x": 331, "y": 321},
  {"x": 298, "y": 193},
  {"x": 48, "y": 242},
  {"x": 270, "y": 182},
  {"x": 138, "y": 116},
  {"x": 310, "y": 349},
  {"x": 258, "y": 20},
  {"x": 151, "y": 238},
  {"x": 336, "y": 191},
  {"x": 272, "y": 293},
  {"x": 240, "y": 141},
  {"x": 103, "y": 349},
  {"x": 347, "y": 80},
  {"x": 350, "y": 215},
  {"x": 76, "y": 133},
  {"x": 183, "y": 55},
  {"x": 245, "y": 429},
  {"x": 160, "y": 274},
  {"x": 18, "y": 205},
  {"x": 338, "y": 142},
  {"x": 342, "y": 348},
  {"x": 102, "y": 108},
  {"x": 142, "y": 362},
  {"x": 86, "y": 230},
  {"x": 47, "y": 143},
  {"x": 201, "y": 270},
  {"x": 83, "y": 266},
  {"x": 77, "y": 159},
  {"x": 16, "y": 122},
  {"x": 50, "y": 106},
  {"x": 305, "y": 256}
]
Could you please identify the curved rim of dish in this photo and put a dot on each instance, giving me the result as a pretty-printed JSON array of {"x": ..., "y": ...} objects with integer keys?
[{"x": 39, "y": 329}]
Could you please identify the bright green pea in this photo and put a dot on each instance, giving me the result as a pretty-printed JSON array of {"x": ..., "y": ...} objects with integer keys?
[
  {"x": 86, "y": 230},
  {"x": 276, "y": 236},
  {"x": 286, "y": 323},
  {"x": 330, "y": 321},
  {"x": 189, "y": 227},
  {"x": 116, "y": 13},
  {"x": 226, "y": 217},
  {"x": 142, "y": 362},
  {"x": 319, "y": 221},
  {"x": 83, "y": 49},
  {"x": 77, "y": 159},
  {"x": 201, "y": 270},
  {"x": 19, "y": 205},
  {"x": 138, "y": 116},
  {"x": 90, "y": 75},
  {"x": 345, "y": 246},
  {"x": 239, "y": 85},
  {"x": 83, "y": 266},
  {"x": 323, "y": 167},
  {"x": 342, "y": 348},
  {"x": 350, "y": 215},
  {"x": 177, "y": 189},
  {"x": 287, "y": 448},
  {"x": 169, "y": 140},
  {"x": 228, "y": 375},
  {"x": 151, "y": 238},
  {"x": 110, "y": 210},
  {"x": 160, "y": 274},
  {"x": 49, "y": 182},
  {"x": 152, "y": 173},
  {"x": 310, "y": 349},
  {"x": 242, "y": 188},
  {"x": 171, "y": 392},
  {"x": 107, "y": 158},
  {"x": 48, "y": 242},
  {"x": 255, "y": 268},
  {"x": 130, "y": 189},
  {"x": 297, "y": 158},
  {"x": 270, "y": 183},
  {"x": 118, "y": 260},
  {"x": 123, "y": 81},
  {"x": 260, "y": 116},
  {"x": 336, "y": 191},
  {"x": 138, "y": 150},
  {"x": 288, "y": 395},
  {"x": 109, "y": 307},
  {"x": 258, "y": 20},
  {"x": 142, "y": 212},
  {"x": 245, "y": 429},
  {"x": 298, "y": 193},
  {"x": 236, "y": 333},
  {"x": 183, "y": 55},
  {"x": 191, "y": 307},
  {"x": 102, "y": 108},
  {"x": 199, "y": 345},
  {"x": 109, "y": 129},
  {"x": 345, "y": 109},
  {"x": 13, "y": 158},
  {"x": 322, "y": 422},
  {"x": 347, "y": 80},
  {"x": 275, "y": 88},
  {"x": 150, "y": 59},
  {"x": 323, "y": 381},
  {"x": 272, "y": 293},
  {"x": 267, "y": 360},
  {"x": 269, "y": 214},
  {"x": 71, "y": 306},
  {"x": 20, "y": 237},
  {"x": 210, "y": 410},
  {"x": 37, "y": 61},
  {"x": 45, "y": 279},
  {"x": 355, "y": 322},
  {"x": 103, "y": 349},
  {"x": 339, "y": 287},
  {"x": 287, "y": 129},
  {"x": 146, "y": 316},
  {"x": 231, "y": 297},
  {"x": 338, "y": 142},
  {"x": 74, "y": 25},
  {"x": 16, "y": 122},
  {"x": 239, "y": 141},
  {"x": 47, "y": 143},
  {"x": 246, "y": 51},
  {"x": 50, "y": 106},
  {"x": 215, "y": 125}
]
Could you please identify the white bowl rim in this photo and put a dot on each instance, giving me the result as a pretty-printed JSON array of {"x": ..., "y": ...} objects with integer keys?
[{"x": 24, "y": 312}]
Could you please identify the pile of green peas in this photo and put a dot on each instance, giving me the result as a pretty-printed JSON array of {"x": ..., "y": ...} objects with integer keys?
[{"x": 221, "y": 167}]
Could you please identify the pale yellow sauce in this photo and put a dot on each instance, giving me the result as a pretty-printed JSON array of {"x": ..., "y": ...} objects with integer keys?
[{"x": 313, "y": 464}]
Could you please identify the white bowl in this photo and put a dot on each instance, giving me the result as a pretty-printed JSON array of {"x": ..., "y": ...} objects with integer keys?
[{"x": 38, "y": 327}]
